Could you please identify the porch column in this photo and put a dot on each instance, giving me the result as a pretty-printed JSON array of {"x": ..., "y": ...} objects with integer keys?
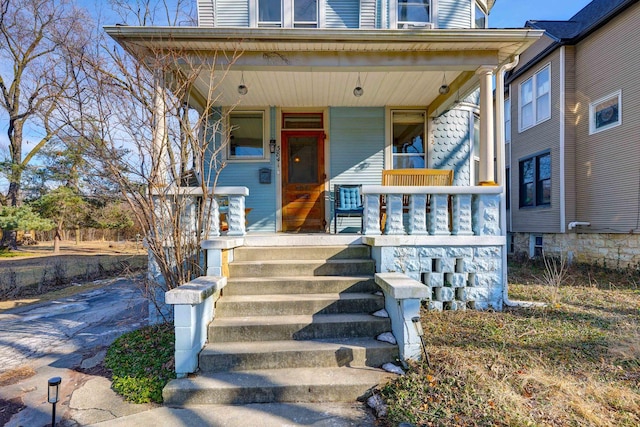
[
  {"x": 159, "y": 151},
  {"x": 487, "y": 150}
]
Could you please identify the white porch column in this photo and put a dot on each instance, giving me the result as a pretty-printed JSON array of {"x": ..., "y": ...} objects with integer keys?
[
  {"x": 160, "y": 155},
  {"x": 487, "y": 150}
]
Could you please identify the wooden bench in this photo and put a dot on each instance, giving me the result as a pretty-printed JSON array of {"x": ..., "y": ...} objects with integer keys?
[{"x": 414, "y": 178}]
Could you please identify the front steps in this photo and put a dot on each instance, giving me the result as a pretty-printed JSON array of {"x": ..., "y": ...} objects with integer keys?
[{"x": 293, "y": 325}]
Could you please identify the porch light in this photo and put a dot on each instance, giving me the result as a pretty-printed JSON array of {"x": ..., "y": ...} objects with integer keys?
[
  {"x": 444, "y": 89},
  {"x": 52, "y": 396},
  {"x": 358, "y": 91},
  {"x": 242, "y": 88}
]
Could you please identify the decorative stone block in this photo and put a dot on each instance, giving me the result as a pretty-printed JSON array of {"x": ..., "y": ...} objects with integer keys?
[
  {"x": 487, "y": 252},
  {"x": 435, "y": 306},
  {"x": 418, "y": 214},
  {"x": 455, "y": 280},
  {"x": 372, "y": 215},
  {"x": 394, "y": 225},
  {"x": 448, "y": 265},
  {"x": 455, "y": 305},
  {"x": 484, "y": 265},
  {"x": 458, "y": 252},
  {"x": 462, "y": 294},
  {"x": 433, "y": 279},
  {"x": 462, "y": 215},
  {"x": 212, "y": 215},
  {"x": 431, "y": 252},
  {"x": 439, "y": 215},
  {"x": 443, "y": 294},
  {"x": 487, "y": 280},
  {"x": 236, "y": 216},
  {"x": 486, "y": 214}
]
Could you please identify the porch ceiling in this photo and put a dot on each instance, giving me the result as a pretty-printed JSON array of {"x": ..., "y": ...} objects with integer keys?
[{"x": 315, "y": 68}]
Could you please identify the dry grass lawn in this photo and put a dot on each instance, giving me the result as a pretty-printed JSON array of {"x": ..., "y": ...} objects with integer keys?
[{"x": 575, "y": 362}]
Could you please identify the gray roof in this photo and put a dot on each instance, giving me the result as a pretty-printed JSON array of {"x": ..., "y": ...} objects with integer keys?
[{"x": 592, "y": 16}]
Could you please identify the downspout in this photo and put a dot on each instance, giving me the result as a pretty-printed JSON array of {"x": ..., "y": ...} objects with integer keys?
[{"x": 500, "y": 155}]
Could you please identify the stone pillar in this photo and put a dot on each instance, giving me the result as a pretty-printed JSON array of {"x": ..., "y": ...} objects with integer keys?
[
  {"x": 212, "y": 215},
  {"x": 462, "y": 215},
  {"x": 394, "y": 223},
  {"x": 487, "y": 150},
  {"x": 371, "y": 215},
  {"x": 418, "y": 214},
  {"x": 439, "y": 215},
  {"x": 486, "y": 215},
  {"x": 235, "y": 216}
]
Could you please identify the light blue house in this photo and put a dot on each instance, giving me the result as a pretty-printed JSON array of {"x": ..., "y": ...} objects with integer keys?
[{"x": 334, "y": 92}]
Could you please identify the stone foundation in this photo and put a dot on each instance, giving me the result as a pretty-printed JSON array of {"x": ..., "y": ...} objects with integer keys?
[
  {"x": 612, "y": 250},
  {"x": 458, "y": 277}
]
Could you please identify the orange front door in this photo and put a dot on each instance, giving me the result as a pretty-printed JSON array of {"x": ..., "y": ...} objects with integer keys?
[{"x": 303, "y": 180}]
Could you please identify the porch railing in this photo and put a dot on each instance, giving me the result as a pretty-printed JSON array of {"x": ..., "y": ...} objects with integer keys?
[{"x": 473, "y": 211}]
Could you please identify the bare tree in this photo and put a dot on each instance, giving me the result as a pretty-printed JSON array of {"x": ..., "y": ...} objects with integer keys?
[
  {"x": 153, "y": 137},
  {"x": 37, "y": 38}
]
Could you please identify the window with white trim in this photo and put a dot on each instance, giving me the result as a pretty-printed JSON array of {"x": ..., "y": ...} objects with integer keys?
[
  {"x": 247, "y": 136},
  {"x": 287, "y": 13},
  {"x": 507, "y": 120},
  {"x": 605, "y": 113},
  {"x": 408, "y": 129},
  {"x": 413, "y": 13},
  {"x": 535, "y": 99},
  {"x": 480, "y": 17}
]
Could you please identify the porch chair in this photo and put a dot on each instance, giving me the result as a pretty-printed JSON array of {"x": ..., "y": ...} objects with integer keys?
[{"x": 347, "y": 203}]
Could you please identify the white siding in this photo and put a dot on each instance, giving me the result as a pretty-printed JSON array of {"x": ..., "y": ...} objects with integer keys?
[
  {"x": 205, "y": 13},
  {"x": 368, "y": 14},
  {"x": 342, "y": 13},
  {"x": 232, "y": 13},
  {"x": 454, "y": 14}
]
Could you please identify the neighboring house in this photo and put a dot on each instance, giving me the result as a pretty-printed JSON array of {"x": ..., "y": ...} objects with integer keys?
[
  {"x": 572, "y": 126},
  {"x": 329, "y": 92}
]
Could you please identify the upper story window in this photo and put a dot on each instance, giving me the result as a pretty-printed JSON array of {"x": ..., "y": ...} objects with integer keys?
[
  {"x": 408, "y": 129},
  {"x": 247, "y": 135},
  {"x": 480, "y": 17},
  {"x": 535, "y": 181},
  {"x": 269, "y": 13},
  {"x": 605, "y": 113},
  {"x": 413, "y": 13},
  {"x": 288, "y": 13},
  {"x": 507, "y": 120},
  {"x": 535, "y": 99}
]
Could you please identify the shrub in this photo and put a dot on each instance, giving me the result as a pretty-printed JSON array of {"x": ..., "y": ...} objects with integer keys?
[{"x": 142, "y": 363}]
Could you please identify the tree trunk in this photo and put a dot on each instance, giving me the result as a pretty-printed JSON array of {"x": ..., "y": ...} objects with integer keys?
[
  {"x": 56, "y": 241},
  {"x": 15, "y": 147},
  {"x": 10, "y": 239}
]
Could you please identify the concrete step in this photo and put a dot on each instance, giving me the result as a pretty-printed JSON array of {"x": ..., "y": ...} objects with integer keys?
[
  {"x": 294, "y": 268},
  {"x": 296, "y": 304},
  {"x": 338, "y": 352},
  {"x": 276, "y": 328},
  {"x": 301, "y": 253},
  {"x": 299, "y": 285},
  {"x": 274, "y": 385}
]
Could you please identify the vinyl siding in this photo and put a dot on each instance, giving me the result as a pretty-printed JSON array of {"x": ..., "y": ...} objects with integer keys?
[
  {"x": 205, "y": 13},
  {"x": 608, "y": 171},
  {"x": 232, "y": 13},
  {"x": 342, "y": 14},
  {"x": 368, "y": 14},
  {"x": 454, "y": 14},
  {"x": 357, "y": 138},
  {"x": 532, "y": 51},
  {"x": 542, "y": 137},
  {"x": 262, "y": 197}
]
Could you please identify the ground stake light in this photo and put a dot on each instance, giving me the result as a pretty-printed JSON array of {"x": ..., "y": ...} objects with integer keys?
[{"x": 52, "y": 396}]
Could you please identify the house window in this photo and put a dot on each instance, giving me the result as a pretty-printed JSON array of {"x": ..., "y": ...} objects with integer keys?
[
  {"x": 535, "y": 181},
  {"x": 535, "y": 99},
  {"x": 408, "y": 139},
  {"x": 247, "y": 135},
  {"x": 287, "y": 13},
  {"x": 536, "y": 246},
  {"x": 507, "y": 121},
  {"x": 480, "y": 17},
  {"x": 270, "y": 13},
  {"x": 413, "y": 13},
  {"x": 605, "y": 113},
  {"x": 305, "y": 13}
]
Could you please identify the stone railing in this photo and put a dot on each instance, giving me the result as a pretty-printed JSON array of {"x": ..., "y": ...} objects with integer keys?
[
  {"x": 229, "y": 201},
  {"x": 475, "y": 211}
]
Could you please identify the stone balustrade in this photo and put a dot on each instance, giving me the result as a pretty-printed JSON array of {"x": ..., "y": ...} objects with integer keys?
[{"x": 475, "y": 211}]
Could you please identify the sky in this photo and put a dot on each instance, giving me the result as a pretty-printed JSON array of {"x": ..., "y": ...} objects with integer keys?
[{"x": 514, "y": 13}]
